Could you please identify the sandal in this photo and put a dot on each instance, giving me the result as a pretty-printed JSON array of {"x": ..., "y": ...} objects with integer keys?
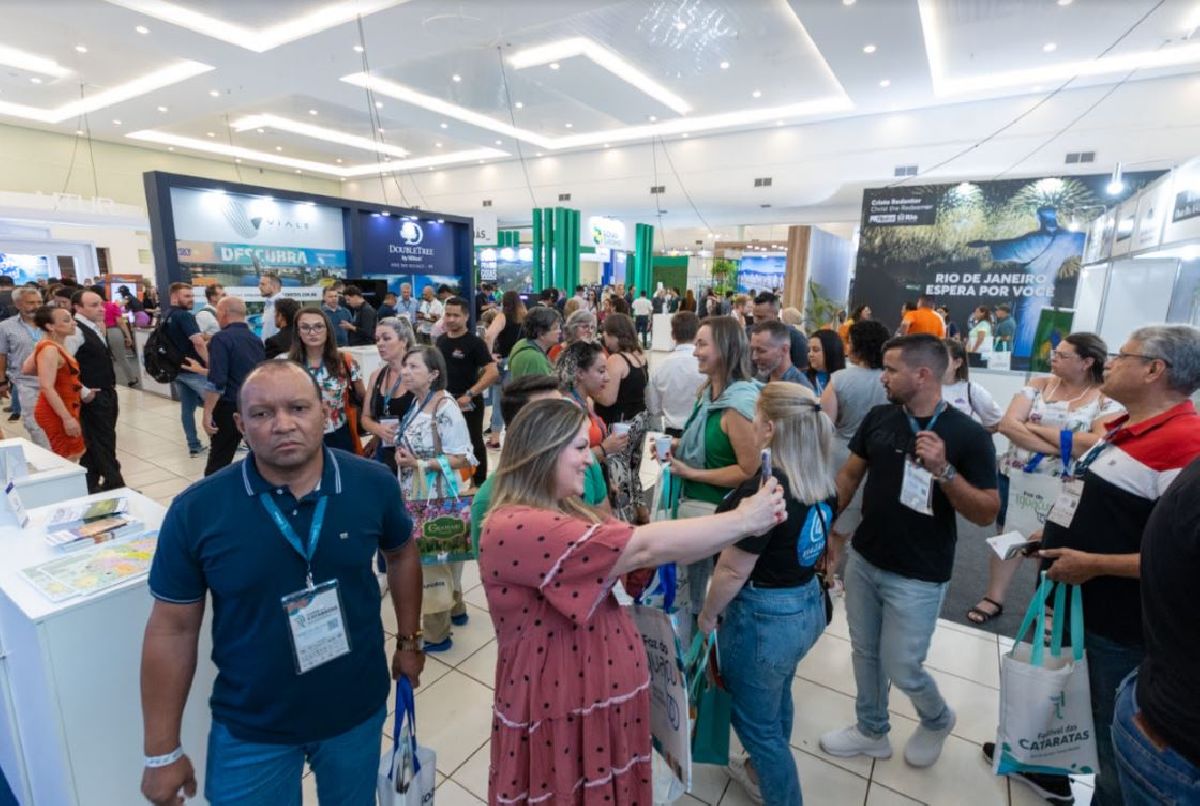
[{"x": 977, "y": 616}]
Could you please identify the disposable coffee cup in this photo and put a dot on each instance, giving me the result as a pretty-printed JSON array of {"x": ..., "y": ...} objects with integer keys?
[
  {"x": 662, "y": 447},
  {"x": 620, "y": 429}
]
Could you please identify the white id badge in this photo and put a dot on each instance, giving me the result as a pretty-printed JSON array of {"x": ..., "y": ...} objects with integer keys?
[
  {"x": 917, "y": 491},
  {"x": 1063, "y": 511},
  {"x": 317, "y": 625}
]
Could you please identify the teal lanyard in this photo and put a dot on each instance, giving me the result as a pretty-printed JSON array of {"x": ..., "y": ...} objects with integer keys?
[
  {"x": 387, "y": 399},
  {"x": 915, "y": 426},
  {"x": 413, "y": 411},
  {"x": 289, "y": 534}
]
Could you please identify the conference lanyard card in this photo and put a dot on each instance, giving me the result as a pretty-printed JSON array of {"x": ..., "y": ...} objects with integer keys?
[
  {"x": 317, "y": 625},
  {"x": 1063, "y": 511},
  {"x": 916, "y": 493}
]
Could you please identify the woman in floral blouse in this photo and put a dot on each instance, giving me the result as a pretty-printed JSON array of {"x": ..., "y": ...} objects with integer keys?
[{"x": 337, "y": 375}]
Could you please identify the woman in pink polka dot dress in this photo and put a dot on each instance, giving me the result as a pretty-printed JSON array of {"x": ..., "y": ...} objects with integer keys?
[{"x": 571, "y": 717}]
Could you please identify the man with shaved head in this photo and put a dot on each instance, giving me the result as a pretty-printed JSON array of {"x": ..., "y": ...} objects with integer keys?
[
  {"x": 232, "y": 353},
  {"x": 283, "y": 543}
]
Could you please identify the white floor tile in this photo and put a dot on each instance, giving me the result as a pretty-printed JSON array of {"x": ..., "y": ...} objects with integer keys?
[
  {"x": 970, "y": 656},
  {"x": 450, "y": 793},
  {"x": 473, "y": 774},
  {"x": 434, "y": 671},
  {"x": 173, "y": 485},
  {"x": 820, "y": 710},
  {"x": 454, "y": 717},
  {"x": 976, "y": 705},
  {"x": 960, "y": 775},
  {"x": 468, "y": 638},
  {"x": 476, "y": 597},
  {"x": 482, "y": 665},
  {"x": 879, "y": 795},
  {"x": 828, "y": 663}
]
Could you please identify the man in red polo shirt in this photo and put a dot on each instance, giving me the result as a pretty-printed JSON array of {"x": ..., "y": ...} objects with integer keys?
[{"x": 1115, "y": 487}]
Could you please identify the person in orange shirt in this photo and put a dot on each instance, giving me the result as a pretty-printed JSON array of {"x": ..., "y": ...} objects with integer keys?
[
  {"x": 860, "y": 314},
  {"x": 923, "y": 320}
]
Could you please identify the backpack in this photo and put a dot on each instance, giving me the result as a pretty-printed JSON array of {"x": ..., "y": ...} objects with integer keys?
[{"x": 161, "y": 357}]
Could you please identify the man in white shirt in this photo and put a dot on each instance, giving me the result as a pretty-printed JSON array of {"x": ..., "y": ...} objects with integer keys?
[
  {"x": 428, "y": 313},
  {"x": 206, "y": 317},
  {"x": 270, "y": 288},
  {"x": 675, "y": 382},
  {"x": 643, "y": 308}
]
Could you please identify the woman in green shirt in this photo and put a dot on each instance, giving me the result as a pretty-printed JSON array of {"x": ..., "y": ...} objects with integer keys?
[{"x": 718, "y": 449}]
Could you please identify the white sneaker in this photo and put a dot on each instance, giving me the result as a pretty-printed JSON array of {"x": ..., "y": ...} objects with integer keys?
[
  {"x": 925, "y": 745},
  {"x": 851, "y": 742},
  {"x": 738, "y": 772}
]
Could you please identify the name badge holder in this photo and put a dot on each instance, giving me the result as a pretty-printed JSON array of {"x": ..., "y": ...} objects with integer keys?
[
  {"x": 916, "y": 490},
  {"x": 315, "y": 615},
  {"x": 1062, "y": 513}
]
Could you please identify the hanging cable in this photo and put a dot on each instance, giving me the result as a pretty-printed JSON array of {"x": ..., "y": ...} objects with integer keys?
[
  {"x": 657, "y": 201},
  {"x": 512, "y": 117},
  {"x": 87, "y": 127},
  {"x": 376, "y": 121},
  {"x": 237, "y": 166},
  {"x": 683, "y": 187},
  {"x": 74, "y": 153},
  {"x": 1040, "y": 102}
]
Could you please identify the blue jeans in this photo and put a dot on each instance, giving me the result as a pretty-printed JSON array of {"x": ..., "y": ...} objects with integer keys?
[
  {"x": 257, "y": 774},
  {"x": 892, "y": 619},
  {"x": 1150, "y": 774},
  {"x": 763, "y": 636},
  {"x": 190, "y": 388},
  {"x": 497, "y": 422},
  {"x": 1108, "y": 664}
]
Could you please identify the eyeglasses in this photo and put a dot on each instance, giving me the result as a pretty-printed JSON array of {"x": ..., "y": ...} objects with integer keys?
[
  {"x": 1143, "y": 356},
  {"x": 317, "y": 328},
  {"x": 1061, "y": 356}
]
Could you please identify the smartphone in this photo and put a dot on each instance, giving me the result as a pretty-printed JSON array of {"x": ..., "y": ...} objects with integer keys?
[{"x": 766, "y": 464}]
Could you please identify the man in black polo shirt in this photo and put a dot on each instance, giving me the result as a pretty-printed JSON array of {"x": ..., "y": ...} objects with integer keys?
[
  {"x": 181, "y": 328},
  {"x": 1156, "y": 727},
  {"x": 232, "y": 354},
  {"x": 361, "y": 327},
  {"x": 927, "y": 461},
  {"x": 98, "y": 413},
  {"x": 284, "y": 544},
  {"x": 470, "y": 371},
  {"x": 1116, "y": 485}
]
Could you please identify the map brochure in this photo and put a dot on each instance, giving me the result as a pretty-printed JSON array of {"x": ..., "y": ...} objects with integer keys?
[
  {"x": 93, "y": 532},
  {"x": 87, "y": 572},
  {"x": 69, "y": 514}
]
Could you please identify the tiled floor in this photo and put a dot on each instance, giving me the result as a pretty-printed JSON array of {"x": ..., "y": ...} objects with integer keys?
[{"x": 454, "y": 700}]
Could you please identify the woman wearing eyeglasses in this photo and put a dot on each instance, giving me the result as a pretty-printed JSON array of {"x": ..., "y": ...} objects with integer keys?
[
  {"x": 337, "y": 375},
  {"x": 1068, "y": 399}
]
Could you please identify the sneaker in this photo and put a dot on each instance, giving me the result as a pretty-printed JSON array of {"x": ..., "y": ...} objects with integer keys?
[
  {"x": 850, "y": 741},
  {"x": 1051, "y": 788},
  {"x": 925, "y": 745},
  {"x": 12, "y": 418},
  {"x": 194, "y": 452},
  {"x": 440, "y": 646},
  {"x": 460, "y": 620},
  {"x": 738, "y": 772}
]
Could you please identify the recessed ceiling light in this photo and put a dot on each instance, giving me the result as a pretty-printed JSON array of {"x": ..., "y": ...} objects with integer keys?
[
  {"x": 170, "y": 148},
  {"x": 1065, "y": 2},
  {"x": 81, "y": 49},
  {"x": 261, "y": 131},
  {"x": 653, "y": 118},
  {"x": 358, "y": 48},
  {"x": 756, "y": 94},
  {"x": 519, "y": 105},
  {"x": 36, "y": 80},
  {"x": 299, "y": 171},
  {"x": 142, "y": 29},
  {"x": 445, "y": 125},
  {"x": 537, "y": 154},
  {"x": 481, "y": 162},
  {"x": 210, "y": 134},
  {"x": 342, "y": 178},
  {"x": 869, "y": 48},
  {"x": 430, "y": 168},
  {"x": 456, "y": 78},
  {"x": 569, "y": 125},
  {"x": 79, "y": 132},
  {"x": 1049, "y": 47},
  {"x": 215, "y": 93},
  {"x": 279, "y": 148},
  {"x": 116, "y": 121},
  {"x": 381, "y": 130},
  {"x": 724, "y": 65},
  {"x": 848, "y": 2},
  {"x": 553, "y": 65},
  {"x": 237, "y": 159},
  {"x": 779, "y": 123},
  {"x": 685, "y": 134},
  {"x": 339, "y": 160},
  {"x": 499, "y": 142},
  {"x": 313, "y": 112},
  {"x": 606, "y": 145},
  {"x": 163, "y": 109},
  {"x": 885, "y": 83},
  {"x": 680, "y": 25},
  {"x": 438, "y": 145},
  {"x": 379, "y": 104}
]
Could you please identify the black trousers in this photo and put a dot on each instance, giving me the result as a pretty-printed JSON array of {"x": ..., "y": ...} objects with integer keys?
[
  {"x": 224, "y": 444},
  {"x": 98, "y": 419},
  {"x": 474, "y": 419}
]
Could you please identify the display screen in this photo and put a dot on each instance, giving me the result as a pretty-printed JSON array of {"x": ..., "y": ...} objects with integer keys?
[{"x": 407, "y": 245}]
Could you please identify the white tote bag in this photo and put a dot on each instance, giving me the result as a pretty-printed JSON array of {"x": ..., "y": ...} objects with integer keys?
[
  {"x": 669, "y": 723},
  {"x": 1045, "y": 701},
  {"x": 1030, "y": 498},
  {"x": 407, "y": 772}
]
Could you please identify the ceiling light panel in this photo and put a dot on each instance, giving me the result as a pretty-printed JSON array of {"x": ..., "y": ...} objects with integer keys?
[
  {"x": 258, "y": 39},
  {"x": 324, "y": 133},
  {"x": 31, "y": 62}
]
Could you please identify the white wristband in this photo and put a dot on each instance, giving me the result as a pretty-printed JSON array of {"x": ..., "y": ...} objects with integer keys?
[{"x": 154, "y": 762}]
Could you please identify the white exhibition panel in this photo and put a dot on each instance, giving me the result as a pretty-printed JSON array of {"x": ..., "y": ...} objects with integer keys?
[
  {"x": 233, "y": 218},
  {"x": 660, "y": 332},
  {"x": 1089, "y": 297},
  {"x": 1139, "y": 293}
]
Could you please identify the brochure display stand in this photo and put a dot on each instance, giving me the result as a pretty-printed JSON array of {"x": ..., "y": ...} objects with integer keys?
[
  {"x": 70, "y": 703},
  {"x": 47, "y": 478}
]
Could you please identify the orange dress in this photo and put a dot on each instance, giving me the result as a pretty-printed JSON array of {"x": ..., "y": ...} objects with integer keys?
[{"x": 66, "y": 383}]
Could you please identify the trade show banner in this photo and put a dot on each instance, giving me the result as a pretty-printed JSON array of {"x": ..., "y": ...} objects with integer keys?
[
  {"x": 406, "y": 245},
  {"x": 1013, "y": 241},
  {"x": 761, "y": 272}
]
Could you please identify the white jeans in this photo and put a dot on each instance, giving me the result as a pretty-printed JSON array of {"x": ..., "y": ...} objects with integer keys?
[{"x": 29, "y": 398}]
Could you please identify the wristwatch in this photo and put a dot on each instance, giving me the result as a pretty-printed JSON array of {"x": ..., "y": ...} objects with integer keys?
[
  {"x": 948, "y": 474},
  {"x": 411, "y": 643}
]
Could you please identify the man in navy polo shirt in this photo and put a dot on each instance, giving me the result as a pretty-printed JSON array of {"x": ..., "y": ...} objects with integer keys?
[{"x": 283, "y": 542}]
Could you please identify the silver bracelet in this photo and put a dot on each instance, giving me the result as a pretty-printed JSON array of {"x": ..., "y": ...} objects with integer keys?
[{"x": 154, "y": 762}]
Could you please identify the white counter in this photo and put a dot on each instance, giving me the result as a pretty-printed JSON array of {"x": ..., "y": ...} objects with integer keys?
[
  {"x": 51, "y": 478},
  {"x": 367, "y": 358},
  {"x": 70, "y": 704},
  {"x": 660, "y": 332}
]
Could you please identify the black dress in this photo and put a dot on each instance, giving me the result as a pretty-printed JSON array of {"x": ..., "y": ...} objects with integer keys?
[{"x": 384, "y": 407}]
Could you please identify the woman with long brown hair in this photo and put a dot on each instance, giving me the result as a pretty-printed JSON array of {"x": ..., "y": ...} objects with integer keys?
[
  {"x": 315, "y": 348},
  {"x": 501, "y": 335},
  {"x": 571, "y": 718}
]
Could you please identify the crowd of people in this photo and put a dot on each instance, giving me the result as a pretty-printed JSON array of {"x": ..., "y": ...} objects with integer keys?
[{"x": 880, "y": 445}]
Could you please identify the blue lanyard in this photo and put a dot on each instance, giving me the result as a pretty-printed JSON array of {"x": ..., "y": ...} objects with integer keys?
[
  {"x": 1066, "y": 438},
  {"x": 413, "y": 411},
  {"x": 1091, "y": 456},
  {"x": 289, "y": 534},
  {"x": 387, "y": 399},
  {"x": 916, "y": 428}
]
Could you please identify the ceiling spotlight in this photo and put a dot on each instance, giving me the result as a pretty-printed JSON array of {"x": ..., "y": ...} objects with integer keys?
[
  {"x": 279, "y": 148},
  {"x": 79, "y": 132},
  {"x": 162, "y": 109},
  {"x": 210, "y": 134},
  {"x": 554, "y": 65},
  {"x": 116, "y": 121},
  {"x": 1065, "y": 2},
  {"x": 445, "y": 125},
  {"x": 170, "y": 148},
  {"x": 142, "y": 29},
  {"x": 653, "y": 118},
  {"x": 261, "y": 131},
  {"x": 456, "y": 78},
  {"x": 538, "y": 154},
  {"x": 299, "y": 171},
  {"x": 499, "y": 142},
  {"x": 36, "y": 80},
  {"x": 685, "y": 134},
  {"x": 519, "y": 105},
  {"x": 868, "y": 48},
  {"x": 342, "y": 178},
  {"x": 724, "y": 65},
  {"x": 606, "y": 145},
  {"x": 80, "y": 49},
  {"x": 481, "y": 162},
  {"x": 1049, "y": 47},
  {"x": 215, "y": 93},
  {"x": 569, "y": 125},
  {"x": 680, "y": 25},
  {"x": 339, "y": 160},
  {"x": 313, "y": 112},
  {"x": 779, "y": 123},
  {"x": 358, "y": 48},
  {"x": 848, "y": 2},
  {"x": 379, "y": 104},
  {"x": 381, "y": 130},
  {"x": 237, "y": 159},
  {"x": 1115, "y": 185},
  {"x": 756, "y": 94},
  {"x": 430, "y": 168},
  {"x": 438, "y": 145},
  {"x": 885, "y": 83}
]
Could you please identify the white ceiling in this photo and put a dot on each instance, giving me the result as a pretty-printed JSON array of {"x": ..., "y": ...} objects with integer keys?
[{"x": 734, "y": 88}]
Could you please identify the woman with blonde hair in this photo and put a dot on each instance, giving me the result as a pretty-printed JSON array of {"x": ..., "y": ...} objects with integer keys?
[
  {"x": 768, "y": 590},
  {"x": 578, "y": 326},
  {"x": 388, "y": 398},
  {"x": 571, "y": 714}
]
